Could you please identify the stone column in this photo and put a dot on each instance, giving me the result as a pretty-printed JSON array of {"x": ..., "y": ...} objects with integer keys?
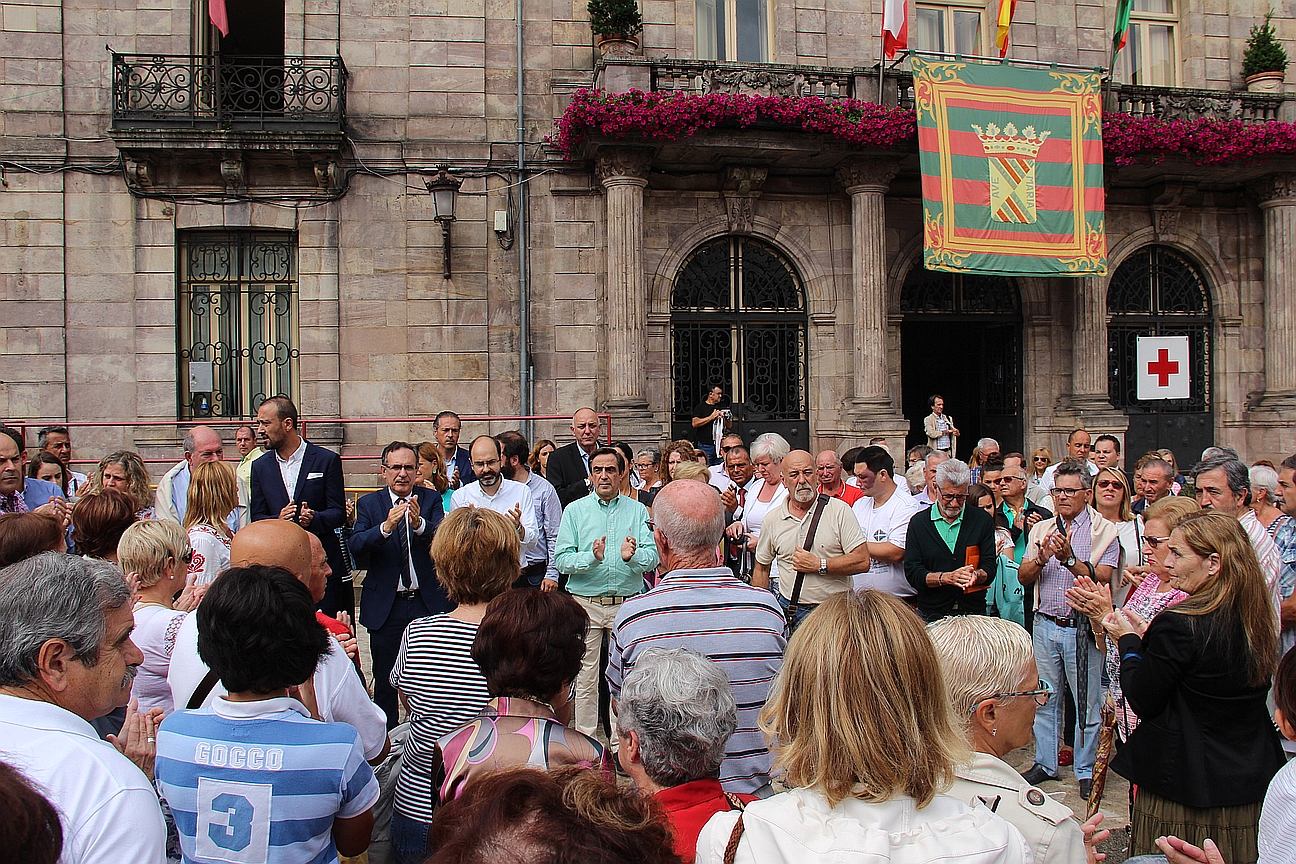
[
  {"x": 867, "y": 181},
  {"x": 1089, "y": 346},
  {"x": 623, "y": 171},
  {"x": 1279, "y": 206}
]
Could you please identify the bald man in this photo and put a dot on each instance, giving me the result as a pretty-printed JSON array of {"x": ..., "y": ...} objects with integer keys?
[
  {"x": 569, "y": 465},
  {"x": 201, "y": 444},
  {"x": 335, "y": 693}
]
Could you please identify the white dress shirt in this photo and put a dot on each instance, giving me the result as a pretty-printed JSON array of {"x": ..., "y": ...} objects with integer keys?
[
  {"x": 291, "y": 467},
  {"x": 409, "y": 551},
  {"x": 510, "y": 494}
]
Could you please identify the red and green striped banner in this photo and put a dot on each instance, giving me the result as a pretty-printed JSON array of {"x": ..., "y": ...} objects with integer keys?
[{"x": 1012, "y": 169}]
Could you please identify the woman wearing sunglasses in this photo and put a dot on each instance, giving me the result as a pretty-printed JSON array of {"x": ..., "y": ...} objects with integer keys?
[
  {"x": 1112, "y": 499},
  {"x": 994, "y": 687},
  {"x": 1041, "y": 459}
]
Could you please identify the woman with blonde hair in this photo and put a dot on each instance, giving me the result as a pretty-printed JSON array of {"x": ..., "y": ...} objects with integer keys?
[
  {"x": 477, "y": 554},
  {"x": 212, "y": 497},
  {"x": 126, "y": 472},
  {"x": 1041, "y": 459},
  {"x": 1197, "y": 676},
  {"x": 157, "y": 552},
  {"x": 432, "y": 472},
  {"x": 863, "y": 732},
  {"x": 994, "y": 688},
  {"x": 1112, "y": 496}
]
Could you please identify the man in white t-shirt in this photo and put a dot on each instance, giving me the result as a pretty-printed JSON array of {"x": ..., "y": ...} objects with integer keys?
[
  {"x": 335, "y": 692},
  {"x": 491, "y": 491},
  {"x": 884, "y": 515},
  {"x": 1077, "y": 448},
  {"x": 66, "y": 658}
]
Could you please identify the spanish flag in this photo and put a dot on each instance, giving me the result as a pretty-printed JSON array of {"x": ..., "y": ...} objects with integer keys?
[{"x": 1006, "y": 10}]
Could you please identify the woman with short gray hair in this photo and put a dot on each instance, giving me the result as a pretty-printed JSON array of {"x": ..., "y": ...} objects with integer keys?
[
  {"x": 767, "y": 453},
  {"x": 1265, "y": 500},
  {"x": 675, "y": 715}
]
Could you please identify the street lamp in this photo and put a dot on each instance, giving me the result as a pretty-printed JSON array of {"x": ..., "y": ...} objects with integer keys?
[{"x": 443, "y": 188}]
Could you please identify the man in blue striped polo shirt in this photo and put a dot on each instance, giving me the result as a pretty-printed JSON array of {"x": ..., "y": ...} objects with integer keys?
[
  {"x": 703, "y": 607},
  {"x": 254, "y": 778}
]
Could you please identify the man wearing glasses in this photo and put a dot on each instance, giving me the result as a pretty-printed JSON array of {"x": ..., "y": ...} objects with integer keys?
[
  {"x": 950, "y": 551},
  {"x": 393, "y": 536},
  {"x": 1080, "y": 542},
  {"x": 491, "y": 491},
  {"x": 1078, "y": 447}
]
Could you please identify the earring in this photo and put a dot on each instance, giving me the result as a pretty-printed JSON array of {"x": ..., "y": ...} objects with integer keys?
[{"x": 994, "y": 731}]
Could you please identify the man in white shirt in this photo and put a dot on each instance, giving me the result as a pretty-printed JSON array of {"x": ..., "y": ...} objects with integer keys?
[
  {"x": 884, "y": 515},
  {"x": 539, "y": 564},
  {"x": 928, "y": 495},
  {"x": 491, "y": 491},
  {"x": 1077, "y": 448},
  {"x": 66, "y": 658},
  {"x": 720, "y": 471},
  {"x": 335, "y": 692}
]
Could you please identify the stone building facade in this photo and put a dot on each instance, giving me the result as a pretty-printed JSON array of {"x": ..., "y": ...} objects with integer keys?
[{"x": 192, "y": 222}]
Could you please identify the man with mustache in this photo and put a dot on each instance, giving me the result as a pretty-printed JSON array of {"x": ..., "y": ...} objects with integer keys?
[
  {"x": 66, "y": 658},
  {"x": 838, "y": 552},
  {"x": 491, "y": 491}
]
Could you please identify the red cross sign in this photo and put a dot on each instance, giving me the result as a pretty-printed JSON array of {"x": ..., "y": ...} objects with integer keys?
[{"x": 1162, "y": 367}]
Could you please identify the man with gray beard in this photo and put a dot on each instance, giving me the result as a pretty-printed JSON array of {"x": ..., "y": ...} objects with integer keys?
[{"x": 839, "y": 549}]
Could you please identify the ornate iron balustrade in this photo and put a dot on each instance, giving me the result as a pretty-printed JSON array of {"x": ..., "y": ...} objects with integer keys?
[
  {"x": 1176, "y": 103},
  {"x": 153, "y": 91},
  {"x": 762, "y": 79}
]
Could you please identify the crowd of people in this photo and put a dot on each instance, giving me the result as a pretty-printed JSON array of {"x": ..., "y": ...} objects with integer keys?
[{"x": 716, "y": 651}]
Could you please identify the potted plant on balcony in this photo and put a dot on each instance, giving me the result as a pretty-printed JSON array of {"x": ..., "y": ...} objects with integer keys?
[
  {"x": 617, "y": 24},
  {"x": 1264, "y": 63}
]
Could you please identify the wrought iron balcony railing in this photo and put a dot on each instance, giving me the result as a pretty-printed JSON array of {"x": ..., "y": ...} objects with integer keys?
[
  {"x": 1177, "y": 103},
  {"x": 151, "y": 91}
]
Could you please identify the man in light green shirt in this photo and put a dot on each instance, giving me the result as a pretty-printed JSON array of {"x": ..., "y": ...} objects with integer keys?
[
  {"x": 245, "y": 442},
  {"x": 605, "y": 545}
]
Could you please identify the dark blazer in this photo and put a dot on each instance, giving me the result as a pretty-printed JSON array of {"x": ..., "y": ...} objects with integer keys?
[
  {"x": 567, "y": 473},
  {"x": 925, "y": 551},
  {"x": 382, "y": 577},
  {"x": 1001, "y": 521},
  {"x": 1204, "y": 737},
  {"x": 463, "y": 461},
  {"x": 319, "y": 486}
]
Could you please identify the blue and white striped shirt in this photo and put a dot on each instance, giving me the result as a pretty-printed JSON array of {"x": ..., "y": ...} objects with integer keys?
[{"x": 260, "y": 782}]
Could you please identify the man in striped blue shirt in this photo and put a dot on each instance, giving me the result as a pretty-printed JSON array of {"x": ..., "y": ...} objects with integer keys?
[
  {"x": 254, "y": 778},
  {"x": 700, "y": 606}
]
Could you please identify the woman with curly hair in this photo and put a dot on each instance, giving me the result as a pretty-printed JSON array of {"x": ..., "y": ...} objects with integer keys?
[
  {"x": 540, "y": 453},
  {"x": 125, "y": 471},
  {"x": 676, "y": 452}
]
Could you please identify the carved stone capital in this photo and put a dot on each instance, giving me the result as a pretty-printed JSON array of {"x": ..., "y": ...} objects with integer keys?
[
  {"x": 741, "y": 211},
  {"x": 1276, "y": 187},
  {"x": 867, "y": 175},
  {"x": 743, "y": 179},
  {"x": 618, "y": 166}
]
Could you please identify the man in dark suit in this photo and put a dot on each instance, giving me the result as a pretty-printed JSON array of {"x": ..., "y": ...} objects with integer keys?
[
  {"x": 393, "y": 535},
  {"x": 569, "y": 467},
  {"x": 948, "y": 580},
  {"x": 302, "y": 483},
  {"x": 458, "y": 463}
]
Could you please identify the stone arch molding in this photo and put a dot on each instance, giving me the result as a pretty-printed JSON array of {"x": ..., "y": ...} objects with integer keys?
[
  {"x": 821, "y": 294},
  {"x": 1032, "y": 291},
  {"x": 1220, "y": 284}
]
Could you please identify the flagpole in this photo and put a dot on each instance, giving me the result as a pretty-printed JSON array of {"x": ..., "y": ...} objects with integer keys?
[{"x": 881, "y": 67}]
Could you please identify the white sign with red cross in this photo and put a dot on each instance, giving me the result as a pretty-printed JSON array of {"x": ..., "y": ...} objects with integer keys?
[{"x": 1162, "y": 367}]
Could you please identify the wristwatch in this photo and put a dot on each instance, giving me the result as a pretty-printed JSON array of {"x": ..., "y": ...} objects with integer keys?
[
  {"x": 823, "y": 566},
  {"x": 1070, "y": 562}
]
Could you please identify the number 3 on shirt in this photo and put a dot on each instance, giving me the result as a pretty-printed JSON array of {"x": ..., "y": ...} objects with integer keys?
[{"x": 233, "y": 821}]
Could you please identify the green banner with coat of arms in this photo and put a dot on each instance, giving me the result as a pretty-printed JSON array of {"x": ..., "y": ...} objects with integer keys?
[{"x": 1012, "y": 169}]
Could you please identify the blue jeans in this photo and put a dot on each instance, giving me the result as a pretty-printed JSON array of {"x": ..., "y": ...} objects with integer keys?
[
  {"x": 803, "y": 611},
  {"x": 1055, "y": 655},
  {"x": 409, "y": 839}
]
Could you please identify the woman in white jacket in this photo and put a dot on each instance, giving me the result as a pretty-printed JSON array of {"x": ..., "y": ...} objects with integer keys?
[{"x": 863, "y": 732}]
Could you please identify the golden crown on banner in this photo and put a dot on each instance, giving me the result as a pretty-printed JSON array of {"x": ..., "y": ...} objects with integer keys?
[{"x": 1007, "y": 142}]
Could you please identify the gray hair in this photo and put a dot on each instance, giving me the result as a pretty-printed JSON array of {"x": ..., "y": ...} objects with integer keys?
[
  {"x": 981, "y": 658},
  {"x": 1239, "y": 479},
  {"x": 189, "y": 444},
  {"x": 1073, "y": 468},
  {"x": 771, "y": 445},
  {"x": 938, "y": 455},
  {"x": 1159, "y": 464},
  {"x": 1216, "y": 452},
  {"x": 689, "y": 533},
  {"x": 1264, "y": 479},
  {"x": 42, "y": 436},
  {"x": 987, "y": 442},
  {"x": 652, "y": 453},
  {"x": 679, "y": 704},
  {"x": 55, "y": 596},
  {"x": 952, "y": 472}
]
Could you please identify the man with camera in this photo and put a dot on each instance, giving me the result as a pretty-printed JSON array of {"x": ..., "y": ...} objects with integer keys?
[{"x": 711, "y": 420}]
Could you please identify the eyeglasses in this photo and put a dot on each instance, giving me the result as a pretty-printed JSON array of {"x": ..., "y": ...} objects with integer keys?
[
  {"x": 187, "y": 556},
  {"x": 1042, "y": 695},
  {"x": 1063, "y": 492},
  {"x": 1109, "y": 484},
  {"x": 1007, "y": 479},
  {"x": 1154, "y": 542},
  {"x": 652, "y": 526},
  {"x": 488, "y": 463},
  {"x": 953, "y": 498},
  {"x": 1041, "y": 459},
  {"x": 401, "y": 469}
]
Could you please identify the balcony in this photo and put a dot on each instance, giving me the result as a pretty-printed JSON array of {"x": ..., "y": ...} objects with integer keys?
[
  {"x": 213, "y": 102},
  {"x": 1177, "y": 103}
]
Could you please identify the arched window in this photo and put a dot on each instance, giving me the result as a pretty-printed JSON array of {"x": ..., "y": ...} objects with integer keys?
[{"x": 738, "y": 319}]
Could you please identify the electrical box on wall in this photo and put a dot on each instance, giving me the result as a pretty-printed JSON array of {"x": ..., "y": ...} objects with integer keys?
[
  {"x": 501, "y": 221},
  {"x": 201, "y": 377}
]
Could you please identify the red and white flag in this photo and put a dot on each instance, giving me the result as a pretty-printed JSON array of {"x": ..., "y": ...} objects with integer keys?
[
  {"x": 895, "y": 27},
  {"x": 219, "y": 17}
]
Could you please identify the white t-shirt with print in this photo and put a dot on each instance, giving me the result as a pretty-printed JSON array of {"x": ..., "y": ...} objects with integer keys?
[{"x": 886, "y": 524}]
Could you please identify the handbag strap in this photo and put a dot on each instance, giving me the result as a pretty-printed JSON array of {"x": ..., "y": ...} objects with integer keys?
[
  {"x": 820, "y": 505},
  {"x": 204, "y": 687},
  {"x": 731, "y": 848}
]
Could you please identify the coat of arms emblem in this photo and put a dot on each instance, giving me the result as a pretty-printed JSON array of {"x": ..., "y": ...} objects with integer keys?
[{"x": 1011, "y": 159}]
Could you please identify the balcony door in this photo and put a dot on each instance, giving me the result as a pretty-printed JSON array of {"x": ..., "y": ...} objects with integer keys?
[{"x": 252, "y": 73}]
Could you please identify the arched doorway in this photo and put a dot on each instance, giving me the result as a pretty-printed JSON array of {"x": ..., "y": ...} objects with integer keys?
[
  {"x": 738, "y": 319},
  {"x": 1158, "y": 291},
  {"x": 961, "y": 337}
]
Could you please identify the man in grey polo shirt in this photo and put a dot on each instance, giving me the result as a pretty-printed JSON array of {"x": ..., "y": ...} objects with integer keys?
[{"x": 700, "y": 606}]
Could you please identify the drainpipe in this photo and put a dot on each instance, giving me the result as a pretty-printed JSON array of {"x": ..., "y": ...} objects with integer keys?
[{"x": 524, "y": 258}]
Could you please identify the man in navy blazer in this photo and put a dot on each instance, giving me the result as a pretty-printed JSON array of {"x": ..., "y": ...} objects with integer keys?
[
  {"x": 393, "y": 536},
  {"x": 301, "y": 483}
]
